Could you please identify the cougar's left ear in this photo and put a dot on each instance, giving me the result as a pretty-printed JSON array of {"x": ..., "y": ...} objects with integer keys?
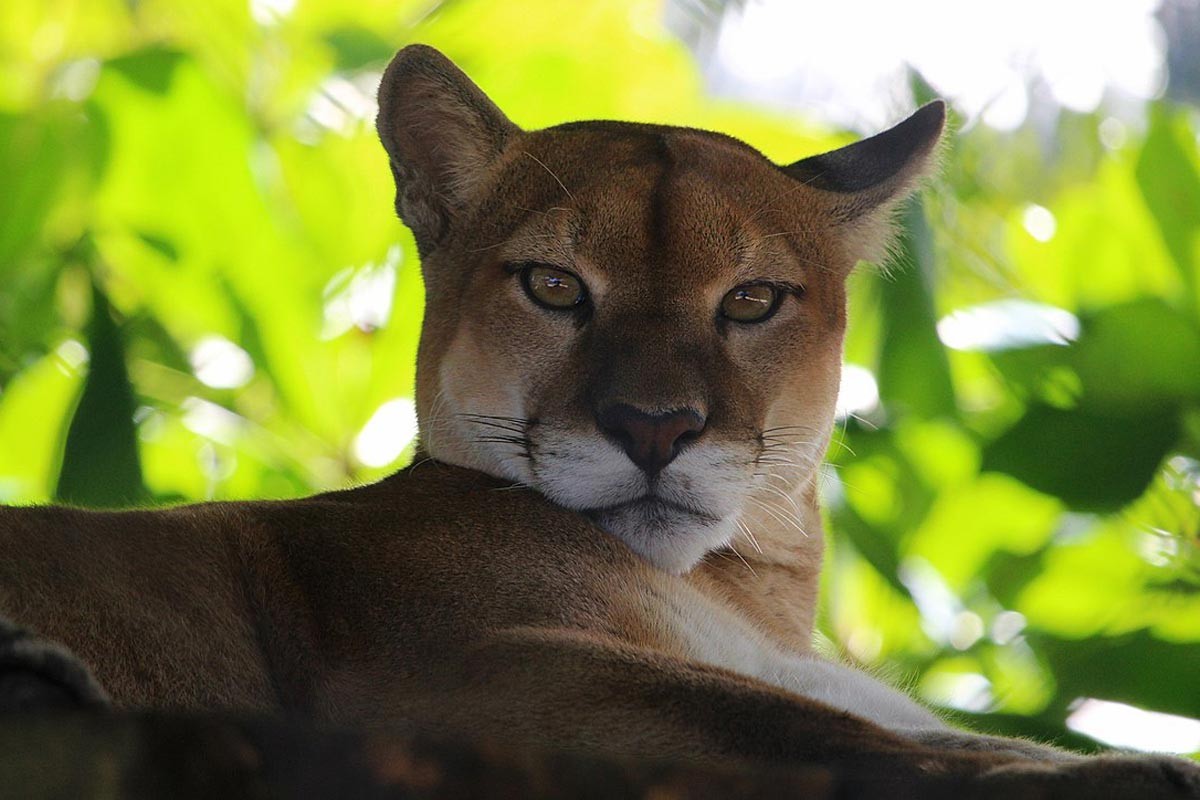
[
  {"x": 865, "y": 181},
  {"x": 442, "y": 135}
]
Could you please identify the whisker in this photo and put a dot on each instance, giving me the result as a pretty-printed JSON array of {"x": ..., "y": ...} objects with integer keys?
[
  {"x": 841, "y": 440},
  {"x": 733, "y": 550},
  {"x": 537, "y": 238},
  {"x": 521, "y": 440},
  {"x": 778, "y": 428},
  {"x": 775, "y": 448},
  {"x": 781, "y": 460},
  {"x": 796, "y": 510},
  {"x": 785, "y": 233},
  {"x": 765, "y": 207},
  {"x": 493, "y": 416},
  {"x": 866, "y": 423},
  {"x": 781, "y": 515},
  {"x": 502, "y": 426},
  {"x": 557, "y": 180},
  {"x": 749, "y": 535}
]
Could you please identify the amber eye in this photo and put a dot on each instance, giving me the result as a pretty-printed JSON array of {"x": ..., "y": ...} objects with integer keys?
[
  {"x": 750, "y": 302},
  {"x": 552, "y": 288}
]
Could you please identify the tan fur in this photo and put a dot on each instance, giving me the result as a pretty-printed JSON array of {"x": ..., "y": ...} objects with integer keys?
[{"x": 450, "y": 595}]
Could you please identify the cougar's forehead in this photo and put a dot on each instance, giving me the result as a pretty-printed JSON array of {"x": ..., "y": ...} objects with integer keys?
[
  {"x": 681, "y": 207},
  {"x": 659, "y": 223}
]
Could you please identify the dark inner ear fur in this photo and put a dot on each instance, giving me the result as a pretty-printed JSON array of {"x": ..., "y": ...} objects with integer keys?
[
  {"x": 879, "y": 170},
  {"x": 441, "y": 134}
]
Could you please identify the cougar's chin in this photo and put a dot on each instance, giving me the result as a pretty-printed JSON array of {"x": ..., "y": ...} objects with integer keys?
[
  {"x": 671, "y": 537},
  {"x": 672, "y": 519}
]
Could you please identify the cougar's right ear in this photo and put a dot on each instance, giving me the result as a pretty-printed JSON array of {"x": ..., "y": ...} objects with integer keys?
[
  {"x": 867, "y": 180},
  {"x": 441, "y": 133}
]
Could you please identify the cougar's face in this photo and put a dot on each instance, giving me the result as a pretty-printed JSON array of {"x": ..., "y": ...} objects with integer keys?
[{"x": 642, "y": 323}]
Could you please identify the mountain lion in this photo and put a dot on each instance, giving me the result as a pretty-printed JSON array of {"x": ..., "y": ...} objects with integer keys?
[{"x": 628, "y": 367}]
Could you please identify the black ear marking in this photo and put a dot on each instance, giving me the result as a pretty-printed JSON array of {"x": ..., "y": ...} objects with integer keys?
[
  {"x": 891, "y": 157},
  {"x": 864, "y": 183}
]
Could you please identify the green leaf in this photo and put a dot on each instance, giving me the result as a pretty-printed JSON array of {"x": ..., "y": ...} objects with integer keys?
[
  {"x": 1091, "y": 461},
  {"x": 1137, "y": 668},
  {"x": 1003, "y": 517},
  {"x": 33, "y": 164},
  {"x": 1128, "y": 356},
  {"x": 34, "y": 410},
  {"x": 164, "y": 246},
  {"x": 874, "y": 545},
  {"x": 1106, "y": 247},
  {"x": 43, "y": 156},
  {"x": 100, "y": 466},
  {"x": 1169, "y": 178},
  {"x": 151, "y": 68},
  {"x": 914, "y": 373},
  {"x": 1137, "y": 354},
  {"x": 356, "y": 48}
]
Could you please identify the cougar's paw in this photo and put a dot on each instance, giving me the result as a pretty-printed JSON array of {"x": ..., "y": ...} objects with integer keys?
[
  {"x": 961, "y": 741},
  {"x": 37, "y": 675},
  {"x": 1112, "y": 777}
]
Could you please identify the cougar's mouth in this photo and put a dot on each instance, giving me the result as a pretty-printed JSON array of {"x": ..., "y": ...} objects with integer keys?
[
  {"x": 672, "y": 519},
  {"x": 670, "y": 535},
  {"x": 651, "y": 503}
]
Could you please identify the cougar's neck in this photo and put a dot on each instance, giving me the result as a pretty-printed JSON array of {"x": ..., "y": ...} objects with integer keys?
[{"x": 772, "y": 573}]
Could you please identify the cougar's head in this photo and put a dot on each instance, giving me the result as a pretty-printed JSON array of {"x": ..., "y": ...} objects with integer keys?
[{"x": 644, "y": 323}]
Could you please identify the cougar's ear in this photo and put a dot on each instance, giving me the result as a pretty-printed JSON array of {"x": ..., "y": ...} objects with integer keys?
[
  {"x": 441, "y": 133},
  {"x": 866, "y": 180}
]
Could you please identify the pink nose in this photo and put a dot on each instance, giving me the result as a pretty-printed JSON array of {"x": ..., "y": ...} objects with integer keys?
[{"x": 650, "y": 440}]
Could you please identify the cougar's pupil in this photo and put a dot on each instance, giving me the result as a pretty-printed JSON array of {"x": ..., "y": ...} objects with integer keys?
[
  {"x": 553, "y": 288},
  {"x": 752, "y": 302}
]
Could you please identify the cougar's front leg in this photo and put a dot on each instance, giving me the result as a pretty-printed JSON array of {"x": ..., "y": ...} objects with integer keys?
[
  {"x": 950, "y": 739},
  {"x": 570, "y": 690},
  {"x": 1067, "y": 774}
]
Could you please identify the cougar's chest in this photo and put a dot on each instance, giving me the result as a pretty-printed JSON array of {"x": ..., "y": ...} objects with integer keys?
[{"x": 706, "y": 631}]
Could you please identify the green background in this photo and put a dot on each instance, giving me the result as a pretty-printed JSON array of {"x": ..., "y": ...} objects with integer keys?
[{"x": 1015, "y": 528}]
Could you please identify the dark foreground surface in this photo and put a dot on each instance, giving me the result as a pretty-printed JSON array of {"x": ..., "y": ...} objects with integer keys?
[
  {"x": 59, "y": 738},
  {"x": 116, "y": 755},
  {"x": 78, "y": 755}
]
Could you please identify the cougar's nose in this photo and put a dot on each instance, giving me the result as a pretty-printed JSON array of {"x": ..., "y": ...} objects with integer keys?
[{"x": 650, "y": 440}]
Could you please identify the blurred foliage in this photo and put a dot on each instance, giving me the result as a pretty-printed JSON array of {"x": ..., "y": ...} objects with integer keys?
[{"x": 202, "y": 280}]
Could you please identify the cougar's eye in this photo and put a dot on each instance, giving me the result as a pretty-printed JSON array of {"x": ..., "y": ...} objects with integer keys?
[
  {"x": 750, "y": 302},
  {"x": 552, "y": 288}
]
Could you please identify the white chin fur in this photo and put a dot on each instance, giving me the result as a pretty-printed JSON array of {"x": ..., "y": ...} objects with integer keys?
[
  {"x": 586, "y": 472},
  {"x": 672, "y": 540}
]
